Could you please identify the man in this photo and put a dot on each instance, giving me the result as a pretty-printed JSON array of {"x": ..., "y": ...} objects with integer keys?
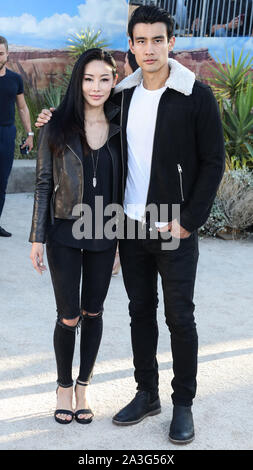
[
  {"x": 173, "y": 151},
  {"x": 11, "y": 92},
  {"x": 180, "y": 16}
]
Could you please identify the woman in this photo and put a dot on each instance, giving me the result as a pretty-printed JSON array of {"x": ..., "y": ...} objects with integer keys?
[{"x": 78, "y": 159}]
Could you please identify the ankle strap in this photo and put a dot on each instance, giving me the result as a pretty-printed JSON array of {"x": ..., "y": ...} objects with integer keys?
[{"x": 81, "y": 383}]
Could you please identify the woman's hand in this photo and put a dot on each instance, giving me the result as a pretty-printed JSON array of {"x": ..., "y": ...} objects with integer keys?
[
  {"x": 37, "y": 257},
  {"x": 44, "y": 117}
]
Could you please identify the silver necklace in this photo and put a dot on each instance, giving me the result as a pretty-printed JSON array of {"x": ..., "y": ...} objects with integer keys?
[{"x": 94, "y": 179}]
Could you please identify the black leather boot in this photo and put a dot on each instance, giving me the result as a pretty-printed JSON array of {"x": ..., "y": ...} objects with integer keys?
[
  {"x": 138, "y": 409},
  {"x": 182, "y": 427},
  {"x": 4, "y": 233}
]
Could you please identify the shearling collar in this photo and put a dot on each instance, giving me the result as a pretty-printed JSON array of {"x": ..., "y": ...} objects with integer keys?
[{"x": 181, "y": 79}]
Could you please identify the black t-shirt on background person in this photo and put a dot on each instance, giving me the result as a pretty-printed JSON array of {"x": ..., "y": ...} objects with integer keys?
[
  {"x": 11, "y": 85},
  {"x": 61, "y": 230}
]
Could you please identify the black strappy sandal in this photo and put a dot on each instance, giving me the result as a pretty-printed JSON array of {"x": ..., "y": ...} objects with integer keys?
[
  {"x": 84, "y": 410},
  {"x": 65, "y": 412}
]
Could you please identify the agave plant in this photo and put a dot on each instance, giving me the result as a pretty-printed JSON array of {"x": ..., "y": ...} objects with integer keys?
[
  {"x": 52, "y": 96},
  {"x": 63, "y": 80},
  {"x": 86, "y": 39},
  {"x": 229, "y": 80},
  {"x": 238, "y": 123},
  {"x": 233, "y": 88}
]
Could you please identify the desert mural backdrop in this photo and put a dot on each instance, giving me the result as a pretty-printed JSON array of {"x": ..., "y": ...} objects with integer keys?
[{"x": 39, "y": 35}]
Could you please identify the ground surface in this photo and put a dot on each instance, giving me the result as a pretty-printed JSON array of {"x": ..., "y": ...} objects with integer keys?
[{"x": 224, "y": 315}]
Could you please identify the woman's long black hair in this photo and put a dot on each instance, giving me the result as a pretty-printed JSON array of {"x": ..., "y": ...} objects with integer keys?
[{"x": 68, "y": 118}]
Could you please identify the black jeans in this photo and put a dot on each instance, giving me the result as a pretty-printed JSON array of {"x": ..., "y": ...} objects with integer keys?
[
  {"x": 7, "y": 146},
  {"x": 66, "y": 265},
  {"x": 141, "y": 261}
]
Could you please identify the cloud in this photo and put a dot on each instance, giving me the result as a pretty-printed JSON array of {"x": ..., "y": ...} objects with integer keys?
[{"x": 109, "y": 15}]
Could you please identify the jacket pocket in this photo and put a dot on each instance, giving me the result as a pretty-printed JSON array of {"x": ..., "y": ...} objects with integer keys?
[{"x": 180, "y": 173}]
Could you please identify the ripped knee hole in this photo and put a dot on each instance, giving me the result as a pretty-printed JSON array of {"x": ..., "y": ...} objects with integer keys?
[{"x": 91, "y": 315}]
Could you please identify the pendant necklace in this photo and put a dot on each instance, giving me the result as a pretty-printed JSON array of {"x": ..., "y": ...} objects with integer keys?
[
  {"x": 95, "y": 164},
  {"x": 94, "y": 179}
]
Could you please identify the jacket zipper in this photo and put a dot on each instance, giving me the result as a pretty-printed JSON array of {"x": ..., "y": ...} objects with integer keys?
[
  {"x": 180, "y": 172},
  {"x": 58, "y": 184},
  {"x": 53, "y": 198},
  {"x": 81, "y": 173}
]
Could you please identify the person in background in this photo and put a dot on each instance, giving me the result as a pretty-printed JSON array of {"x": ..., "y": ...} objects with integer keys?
[
  {"x": 224, "y": 18},
  {"x": 11, "y": 93},
  {"x": 180, "y": 16},
  {"x": 233, "y": 18},
  {"x": 130, "y": 64}
]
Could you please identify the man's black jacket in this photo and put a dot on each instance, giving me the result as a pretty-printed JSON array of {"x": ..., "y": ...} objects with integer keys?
[{"x": 188, "y": 151}]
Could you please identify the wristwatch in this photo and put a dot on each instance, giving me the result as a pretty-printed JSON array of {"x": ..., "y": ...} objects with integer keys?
[{"x": 30, "y": 133}]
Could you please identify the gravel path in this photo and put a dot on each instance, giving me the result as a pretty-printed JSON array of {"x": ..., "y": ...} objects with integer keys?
[{"x": 224, "y": 315}]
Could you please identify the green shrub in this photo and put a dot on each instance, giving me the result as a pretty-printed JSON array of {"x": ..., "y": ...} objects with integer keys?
[{"x": 233, "y": 88}]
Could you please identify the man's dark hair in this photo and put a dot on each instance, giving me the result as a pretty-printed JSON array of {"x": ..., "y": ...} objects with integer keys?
[
  {"x": 132, "y": 61},
  {"x": 150, "y": 14},
  {"x": 4, "y": 41}
]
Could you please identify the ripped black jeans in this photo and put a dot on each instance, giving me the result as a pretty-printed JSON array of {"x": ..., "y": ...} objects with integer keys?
[{"x": 67, "y": 265}]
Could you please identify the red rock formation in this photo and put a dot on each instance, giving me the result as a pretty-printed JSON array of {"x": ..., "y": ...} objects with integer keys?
[
  {"x": 47, "y": 65},
  {"x": 197, "y": 60}
]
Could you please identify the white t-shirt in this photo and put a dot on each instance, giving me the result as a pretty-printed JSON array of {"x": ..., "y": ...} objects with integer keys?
[{"x": 140, "y": 138}]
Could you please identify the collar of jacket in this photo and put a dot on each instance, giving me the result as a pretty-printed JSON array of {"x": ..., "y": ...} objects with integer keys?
[{"x": 180, "y": 79}]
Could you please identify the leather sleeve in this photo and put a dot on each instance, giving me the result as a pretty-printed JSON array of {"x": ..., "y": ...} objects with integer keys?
[{"x": 43, "y": 189}]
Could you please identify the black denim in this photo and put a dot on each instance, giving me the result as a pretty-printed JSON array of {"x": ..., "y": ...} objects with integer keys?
[
  {"x": 141, "y": 261},
  {"x": 66, "y": 265}
]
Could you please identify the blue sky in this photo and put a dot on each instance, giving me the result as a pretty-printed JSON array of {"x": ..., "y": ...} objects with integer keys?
[
  {"x": 39, "y": 9},
  {"x": 48, "y": 24}
]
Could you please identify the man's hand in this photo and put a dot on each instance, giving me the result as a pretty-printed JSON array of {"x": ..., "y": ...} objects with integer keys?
[
  {"x": 29, "y": 143},
  {"x": 176, "y": 230},
  {"x": 44, "y": 117}
]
